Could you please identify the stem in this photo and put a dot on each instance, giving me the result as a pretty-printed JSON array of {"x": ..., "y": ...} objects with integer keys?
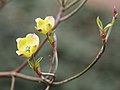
[
  {"x": 47, "y": 74},
  {"x": 12, "y": 83},
  {"x": 20, "y": 75},
  {"x": 55, "y": 54},
  {"x": 48, "y": 87},
  {"x": 51, "y": 63},
  {"x": 85, "y": 70},
  {"x": 71, "y": 4},
  {"x": 74, "y": 11},
  {"x": 3, "y": 3},
  {"x": 60, "y": 2},
  {"x": 108, "y": 33}
]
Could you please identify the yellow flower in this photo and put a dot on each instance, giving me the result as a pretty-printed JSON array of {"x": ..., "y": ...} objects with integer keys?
[
  {"x": 44, "y": 26},
  {"x": 27, "y": 45}
]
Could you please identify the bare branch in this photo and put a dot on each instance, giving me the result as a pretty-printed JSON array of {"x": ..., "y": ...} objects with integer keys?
[
  {"x": 23, "y": 76},
  {"x": 12, "y": 83},
  {"x": 51, "y": 63},
  {"x": 55, "y": 54},
  {"x": 3, "y": 3},
  {"x": 60, "y": 2},
  {"x": 47, "y": 74},
  {"x": 74, "y": 11},
  {"x": 48, "y": 87},
  {"x": 85, "y": 70},
  {"x": 71, "y": 4}
]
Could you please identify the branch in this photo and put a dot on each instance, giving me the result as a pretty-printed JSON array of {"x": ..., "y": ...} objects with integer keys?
[
  {"x": 51, "y": 63},
  {"x": 55, "y": 54},
  {"x": 85, "y": 70},
  {"x": 3, "y": 3},
  {"x": 12, "y": 83},
  {"x": 23, "y": 76},
  {"x": 74, "y": 11},
  {"x": 71, "y": 4},
  {"x": 48, "y": 87}
]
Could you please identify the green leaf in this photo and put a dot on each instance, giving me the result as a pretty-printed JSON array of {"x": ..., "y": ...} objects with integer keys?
[
  {"x": 53, "y": 34},
  {"x": 99, "y": 22},
  {"x": 108, "y": 26},
  {"x": 51, "y": 37},
  {"x": 30, "y": 64},
  {"x": 37, "y": 63}
]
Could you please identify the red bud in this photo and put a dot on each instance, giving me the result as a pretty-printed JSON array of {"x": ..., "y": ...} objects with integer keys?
[{"x": 115, "y": 12}]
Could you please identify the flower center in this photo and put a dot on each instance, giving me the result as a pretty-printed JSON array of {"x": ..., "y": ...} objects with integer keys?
[{"x": 28, "y": 49}]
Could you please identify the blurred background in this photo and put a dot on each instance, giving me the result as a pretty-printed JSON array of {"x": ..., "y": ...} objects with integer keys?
[{"x": 78, "y": 44}]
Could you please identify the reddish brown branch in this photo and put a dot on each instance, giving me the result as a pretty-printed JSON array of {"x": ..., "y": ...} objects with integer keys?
[
  {"x": 12, "y": 83},
  {"x": 23, "y": 76},
  {"x": 3, "y": 3}
]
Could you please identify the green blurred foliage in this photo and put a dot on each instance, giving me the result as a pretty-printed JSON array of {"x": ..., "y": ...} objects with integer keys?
[{"x": 78, "y": 44}]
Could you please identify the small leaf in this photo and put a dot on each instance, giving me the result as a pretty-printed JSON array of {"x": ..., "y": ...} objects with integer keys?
[
  {"x": 30, "y": 64},
  {"x": 51, "y": 37},
  {"x": 99, "y": 22},
  {"x": 37, "y": 63},
  {"x": 53, "y": 34},
  {"x": 108, "y": 26}
]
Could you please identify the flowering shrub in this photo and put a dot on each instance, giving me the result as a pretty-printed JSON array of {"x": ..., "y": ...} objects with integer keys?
[{"x": 30, "y": 45}]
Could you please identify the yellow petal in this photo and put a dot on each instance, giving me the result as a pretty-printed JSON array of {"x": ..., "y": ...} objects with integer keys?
[
  {"x": 32, "y": 40},
  {"x": 40, "y": 23},
  {"x": 33, "y": 49},
  {"x": 25, "y": 54},
  {"x": 50, "y": 20},
  {"x": 21, "y": 43}
]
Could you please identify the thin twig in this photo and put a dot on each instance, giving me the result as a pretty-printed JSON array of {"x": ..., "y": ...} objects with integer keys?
[
  {"x": 71, "y": 4},
  {"x": 51, "y": 64},
  {"x": 3, "y": 3},
  {"x": 47, "y": 74},
  {"x": 108, "y": 33},
  {"x": 12, "y": 83},
  {"x": 60, "y": 2},
  {"x": 20, "y": 75},
  {"x": 48, "y": 87},
  {"x": 74, "y": 11},
  {"x": 85, "y": 70},
  {"x": 55, "y": 54}
]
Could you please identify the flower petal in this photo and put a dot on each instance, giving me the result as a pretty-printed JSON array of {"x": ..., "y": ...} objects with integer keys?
[
  {"x": 33, "y": 49},
  {"x": 50, "y": 20},
  {"x": 25, "y": 54},
  {"x": 32, "y": 39},
  {"x": 21, "y": 43},
  {"x": 40, "y": 23}
]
